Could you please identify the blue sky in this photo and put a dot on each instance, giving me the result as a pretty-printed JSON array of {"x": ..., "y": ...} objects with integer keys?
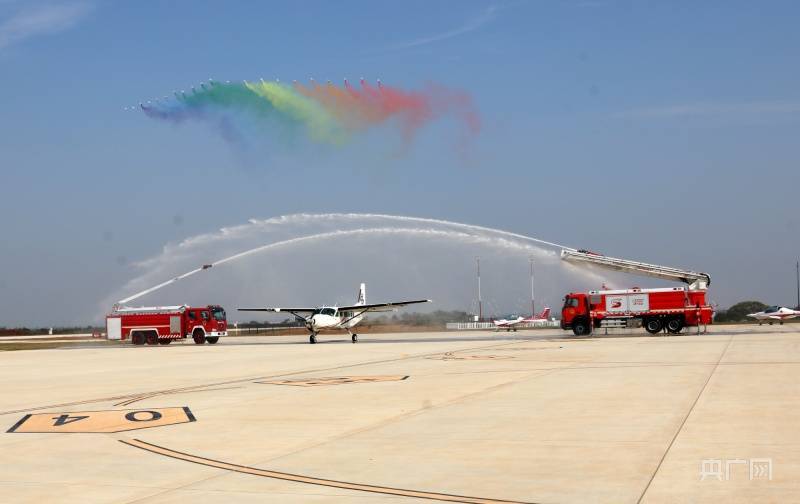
[{"x": 659, "y": 131}]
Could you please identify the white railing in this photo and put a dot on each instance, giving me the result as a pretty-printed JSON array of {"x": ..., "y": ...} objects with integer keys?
[{"x": 466, "y": 326}]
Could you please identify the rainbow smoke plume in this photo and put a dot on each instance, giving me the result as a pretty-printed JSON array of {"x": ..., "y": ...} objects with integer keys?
[{"x": 325, "y": 113}]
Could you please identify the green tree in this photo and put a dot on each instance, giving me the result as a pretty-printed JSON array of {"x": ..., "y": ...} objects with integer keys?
[{"x": 739, "y": 311}]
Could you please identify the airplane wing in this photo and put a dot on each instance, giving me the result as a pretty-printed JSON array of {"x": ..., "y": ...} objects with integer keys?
[
  {"x": 381, "y": 306},
  {"x": 277, "y": 310}
]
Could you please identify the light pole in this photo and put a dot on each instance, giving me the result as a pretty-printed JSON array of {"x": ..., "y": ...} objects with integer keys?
[
  {"x": 533, "y": 303},
  {"x": 798, "y": 285},
  {"x": 480, "y": 301}
]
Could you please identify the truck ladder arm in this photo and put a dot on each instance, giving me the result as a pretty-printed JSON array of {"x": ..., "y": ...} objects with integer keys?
[{"x": 694, "y": 279}]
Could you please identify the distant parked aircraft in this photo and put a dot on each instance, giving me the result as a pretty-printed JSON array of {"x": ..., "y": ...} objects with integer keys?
[
  {"x": 511, "y": 325},
  {"x": 773, "y": 313}
]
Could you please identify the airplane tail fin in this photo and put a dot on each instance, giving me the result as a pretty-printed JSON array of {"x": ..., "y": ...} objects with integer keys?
[
  {"x": 545, "y": 314},
  {"x": 362, "y": 295}
]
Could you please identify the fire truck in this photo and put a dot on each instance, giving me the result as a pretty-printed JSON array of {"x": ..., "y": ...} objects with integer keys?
[
  {"x": 161, "y": 324},
  {"x": 670, "y": 309}
]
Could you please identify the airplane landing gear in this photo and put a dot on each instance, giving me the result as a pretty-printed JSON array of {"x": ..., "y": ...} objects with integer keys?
[
  {"x": 354, "y": 337},
  {"x": 312, "y": 339}
]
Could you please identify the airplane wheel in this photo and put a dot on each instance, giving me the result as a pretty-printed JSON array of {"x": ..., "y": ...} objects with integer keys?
[
  {"x": 770, "y": 323},
  {"x": 164, "y": 341},
  {"x": 354, "y": 338},
  {"x": 312, "y": 339}
]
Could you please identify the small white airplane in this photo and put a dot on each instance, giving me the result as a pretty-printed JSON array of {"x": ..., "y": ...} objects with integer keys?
[
  {"x": 773, "y": 313},
  {"x": 338, "y": 317},
  {"x": 511, "y": 325}
]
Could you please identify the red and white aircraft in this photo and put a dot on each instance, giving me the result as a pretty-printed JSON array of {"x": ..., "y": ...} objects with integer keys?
[
  {"x": 511, "y": 325},
  {"x": 773, "y": 313}
]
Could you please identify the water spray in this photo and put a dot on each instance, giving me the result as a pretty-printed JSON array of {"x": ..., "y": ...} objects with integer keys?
[{"x": 478, "y": 239}]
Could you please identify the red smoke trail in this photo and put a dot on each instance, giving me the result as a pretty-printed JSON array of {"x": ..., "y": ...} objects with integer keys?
[{"x": 358, "y": 108}]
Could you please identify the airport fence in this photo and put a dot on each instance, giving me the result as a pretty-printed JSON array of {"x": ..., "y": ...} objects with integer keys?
[{"x": 467, "y": 326}]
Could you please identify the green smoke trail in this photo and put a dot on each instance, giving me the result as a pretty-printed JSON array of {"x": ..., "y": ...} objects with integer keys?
[{"x": 321, "y": 125}]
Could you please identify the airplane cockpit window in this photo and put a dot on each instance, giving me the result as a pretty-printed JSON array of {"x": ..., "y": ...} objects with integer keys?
[
  {"x": 771, "y": 309},
  {"x": 328, "y": 311}
]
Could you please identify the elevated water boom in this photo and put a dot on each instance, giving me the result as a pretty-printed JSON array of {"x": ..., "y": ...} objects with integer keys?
[{"x": 694, "y": 279}]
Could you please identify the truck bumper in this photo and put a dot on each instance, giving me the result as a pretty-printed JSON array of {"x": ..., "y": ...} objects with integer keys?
[{"x": 214, "y": 334}]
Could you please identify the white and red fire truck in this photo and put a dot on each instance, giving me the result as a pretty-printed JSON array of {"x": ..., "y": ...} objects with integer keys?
[
  {"x": 671, "y": 308},
  {"x": 162, "y": 324}
]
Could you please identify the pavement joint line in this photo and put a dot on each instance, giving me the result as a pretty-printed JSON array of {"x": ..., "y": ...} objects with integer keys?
[
  {"x": 310, "y": 480},
  {"x": 377, "y": 425},
  {"x": 685, "y": 418},
  {"x": 243, "y": 380},
  {"x": 128, "y": 402},
  {"x": 403, "y": 416},
  {"x": 409, "y": 357},
  {"x": 315, "y": 445}
]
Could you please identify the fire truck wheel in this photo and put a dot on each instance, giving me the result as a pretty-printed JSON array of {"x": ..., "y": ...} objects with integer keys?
[
  {"x": 653, "y": 325},
  {"x": 580, "y": 327},
  {"x": 164, "y": 341},
  {"x": 137, "y": 338},
  {"x": 675, "y": 325},
  {"x": 152, "y": 338},
  {"x": 198, "y": 337},
  {"x": 212, "y": 340}
]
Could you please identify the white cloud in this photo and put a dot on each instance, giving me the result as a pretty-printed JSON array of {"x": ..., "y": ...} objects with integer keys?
[
  {"x": 471, "y": 25},
  {"x": 41, "y": 20},
  {"x": 714, "y": 109}
]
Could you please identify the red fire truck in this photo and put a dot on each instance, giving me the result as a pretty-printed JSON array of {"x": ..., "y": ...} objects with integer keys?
[
  {"x": 656, "y": 309},
  {"x": 671, "y": 308},
  {"x": 162, "y": 324}
]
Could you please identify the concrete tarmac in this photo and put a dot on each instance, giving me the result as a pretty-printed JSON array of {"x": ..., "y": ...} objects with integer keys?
[{"x": 533, "y": 416}]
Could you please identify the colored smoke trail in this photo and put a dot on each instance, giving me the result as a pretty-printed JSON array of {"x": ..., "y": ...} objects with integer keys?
[
  {"x": 277, "y": 258},
  {"x": 326, "y": 113}
]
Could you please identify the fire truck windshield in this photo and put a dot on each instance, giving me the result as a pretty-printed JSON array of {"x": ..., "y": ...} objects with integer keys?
[{"x": 219, "y": 314}]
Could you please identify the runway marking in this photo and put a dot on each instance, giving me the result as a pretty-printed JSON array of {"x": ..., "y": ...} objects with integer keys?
[
  {"x": 452, "y": 356},
  {"x": 523, "y": 349},
  {"x": 336, "y": 380},
  {"x": 310, "y": 480},
  {"x": 101, "y": 421}
]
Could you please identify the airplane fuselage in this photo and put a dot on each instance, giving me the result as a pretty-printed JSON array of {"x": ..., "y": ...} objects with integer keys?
[
  {"x": 331, "y": 318},
  {"x": 775, "y": 313}
]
